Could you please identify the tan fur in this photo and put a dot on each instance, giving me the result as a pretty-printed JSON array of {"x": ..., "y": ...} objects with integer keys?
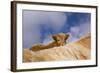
[
  {"x": 59, "y": 40},
  {"x": 27, "y": 55},
  {"x": 71, "y": 51}
]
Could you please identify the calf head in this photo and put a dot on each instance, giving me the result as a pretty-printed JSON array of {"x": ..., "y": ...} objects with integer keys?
[{"x": 60, "y": 38}]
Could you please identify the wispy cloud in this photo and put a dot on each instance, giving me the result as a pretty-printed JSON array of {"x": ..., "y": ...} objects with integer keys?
[{"x": 77, "y": 32}]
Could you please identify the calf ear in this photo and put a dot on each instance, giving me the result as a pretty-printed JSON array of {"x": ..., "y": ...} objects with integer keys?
[
  {"x": 66, "y": 36},
  {"x": 54, "y": 37}
]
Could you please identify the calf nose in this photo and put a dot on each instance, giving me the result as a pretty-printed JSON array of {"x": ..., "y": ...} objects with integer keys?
[{"x": 62, "y": 43}]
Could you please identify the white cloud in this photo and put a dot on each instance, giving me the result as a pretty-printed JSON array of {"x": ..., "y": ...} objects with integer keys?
[
  {"x": 57, "y": 20},
  {"x": 48, "y": 39},
  {"x": 76, "y": 32}
]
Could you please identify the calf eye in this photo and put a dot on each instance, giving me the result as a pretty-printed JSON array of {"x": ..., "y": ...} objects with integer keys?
[{"x": 58, "y": 39}]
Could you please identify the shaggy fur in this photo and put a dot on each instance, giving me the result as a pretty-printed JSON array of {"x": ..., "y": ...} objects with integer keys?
[
  {"x": 59, "y": 40},
  {"x": 71, "y": 51}
]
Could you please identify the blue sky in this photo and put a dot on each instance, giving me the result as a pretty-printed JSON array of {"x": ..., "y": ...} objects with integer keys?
[{"x": 39, "y": 26}]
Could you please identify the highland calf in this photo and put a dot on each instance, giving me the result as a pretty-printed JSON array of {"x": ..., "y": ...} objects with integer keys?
[{"x": 59, "y": 40}]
